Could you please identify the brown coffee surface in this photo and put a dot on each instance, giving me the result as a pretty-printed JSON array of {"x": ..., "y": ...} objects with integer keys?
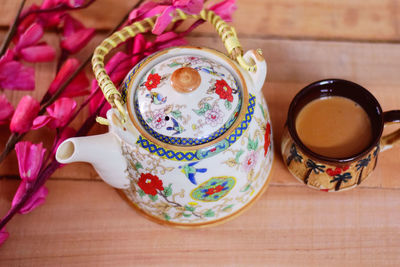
[{"x": 335, "y": 127}]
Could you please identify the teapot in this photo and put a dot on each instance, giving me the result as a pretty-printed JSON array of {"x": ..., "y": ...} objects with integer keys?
[{"x": 190, "y": 138}]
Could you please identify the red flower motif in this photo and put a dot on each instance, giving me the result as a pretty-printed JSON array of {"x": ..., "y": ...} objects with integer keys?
[
  {"x": 150, "y": 183},
  {"x": 212, "y": 191},
  {"x": 267, "y": 138},
  {"x": 223, "y": 90},
  {"x": 337, "y": 170},
  {"x": 152, "y": 81}
]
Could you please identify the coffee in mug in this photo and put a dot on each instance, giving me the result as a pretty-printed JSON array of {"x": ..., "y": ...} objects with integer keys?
[
  {"x": 331, "y": 127},
  {"x": 333, "y": 134}
]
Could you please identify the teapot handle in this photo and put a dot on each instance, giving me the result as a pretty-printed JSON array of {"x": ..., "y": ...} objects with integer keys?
[{"x": 113, "y": 96}]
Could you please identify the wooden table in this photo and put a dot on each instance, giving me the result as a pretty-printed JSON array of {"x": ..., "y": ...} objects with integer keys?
[{"x": 85, "y": 222}]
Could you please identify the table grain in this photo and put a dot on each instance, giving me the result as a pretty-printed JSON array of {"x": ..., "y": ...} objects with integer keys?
[{"x": 85, "y": 222}]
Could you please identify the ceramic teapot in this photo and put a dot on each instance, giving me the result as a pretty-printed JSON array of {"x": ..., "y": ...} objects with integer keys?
[{"x": 189, "y": 141}]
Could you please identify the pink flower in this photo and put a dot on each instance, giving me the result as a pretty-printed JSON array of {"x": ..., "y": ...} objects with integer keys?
[
  {"x": 158, "y": 119},
  {"x": 60, "y": 112},
  {"x": 188, "y": 6},
  {"x": 165, "y": 9},
  {"x": 14, "y": 75},
  {"x": 28, "y": 49},
  {"x": 148, "y": 9},
  {"x": 54, "y": 3},
  {"x": 24, "y": 114},
  {"x": 77, "y": 87},
  {"x": 51, "y": 19},
  {"x": 224, "y": 9},
  {"x": 75, "y": 35},
  {"x": 214, "y": 116},
  {"x": 7, "y": 57},
  {"x": 31, "y": 36},
  {"x": 117, "y": 68},
  {"x": 142, "y": 48},
  {"x": 250, "y": 161},
  {"x": 6, "y": 109},
  {"x": 169, "y": 39},
  {"x": 3, "y": 236},
  {"x": 30, "y": 158},
  {"x": 28, "y": 20},
  {"x": 33, "y": 202},
  {"x": 139, "y": 47},
  {"x": 96, "y": 100},
  {"x": 38, "y": 53}
]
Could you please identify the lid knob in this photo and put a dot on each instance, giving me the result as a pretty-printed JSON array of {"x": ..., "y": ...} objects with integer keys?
[{"x": 185, "y": 80}]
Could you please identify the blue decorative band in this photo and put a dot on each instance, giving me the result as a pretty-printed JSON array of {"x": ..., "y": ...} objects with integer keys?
[
  {"x": 187, "y": 141},
  {"x": 206, "y": 152}
]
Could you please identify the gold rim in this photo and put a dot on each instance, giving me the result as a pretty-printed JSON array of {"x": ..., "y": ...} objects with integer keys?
[
  {"x": 204, "y": 224},
  {"x": 145, "y": 134}
]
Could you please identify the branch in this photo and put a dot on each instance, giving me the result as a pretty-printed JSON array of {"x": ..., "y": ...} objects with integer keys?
[{"x": 11, "y": 31}]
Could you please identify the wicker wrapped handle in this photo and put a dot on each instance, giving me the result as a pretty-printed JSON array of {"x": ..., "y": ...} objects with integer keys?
[{"x": 113, "y": 96}]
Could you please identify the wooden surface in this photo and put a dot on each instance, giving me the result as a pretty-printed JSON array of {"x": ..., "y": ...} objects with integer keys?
[{"x": 85, "y": 222}]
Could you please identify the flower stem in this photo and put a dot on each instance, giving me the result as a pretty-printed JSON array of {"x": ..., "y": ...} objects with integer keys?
[
  {"x": 12, "y": 140},
  {"x": 11, "y": 31}
]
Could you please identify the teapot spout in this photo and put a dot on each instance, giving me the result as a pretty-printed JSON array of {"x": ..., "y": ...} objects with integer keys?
[{"x": 102, "y": 151}]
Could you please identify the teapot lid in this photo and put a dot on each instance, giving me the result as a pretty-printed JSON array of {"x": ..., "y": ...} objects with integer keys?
[{"x": 185, "y": 97}]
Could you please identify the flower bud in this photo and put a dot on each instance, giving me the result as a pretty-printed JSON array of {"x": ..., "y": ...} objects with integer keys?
[{"x": 24, "y": 114}]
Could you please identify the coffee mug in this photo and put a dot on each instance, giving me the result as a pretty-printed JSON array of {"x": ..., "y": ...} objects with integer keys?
[{"x": 327, "y": 173}]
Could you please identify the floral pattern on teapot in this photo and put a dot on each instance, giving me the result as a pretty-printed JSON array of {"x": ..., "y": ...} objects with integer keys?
[
  {"x": 206, "y": 152},
  {"x": 206, "y": 196},
  {"x": 214, "y": 105}
]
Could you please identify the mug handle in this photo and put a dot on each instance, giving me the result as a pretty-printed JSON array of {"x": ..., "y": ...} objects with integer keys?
[{"x": 389, "y": 140}]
